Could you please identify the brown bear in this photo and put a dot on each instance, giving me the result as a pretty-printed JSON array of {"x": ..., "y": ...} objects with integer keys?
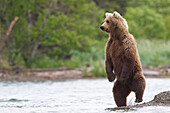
[{"x": 122, "y": 57}]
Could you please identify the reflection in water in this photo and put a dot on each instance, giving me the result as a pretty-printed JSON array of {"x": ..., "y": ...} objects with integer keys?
[{"x": 72, "y": 96}]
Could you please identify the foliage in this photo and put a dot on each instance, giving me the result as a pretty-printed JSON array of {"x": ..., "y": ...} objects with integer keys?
[
  {"x": 111, "y": 5},
  {"x": 154, "y": 52},
  {"x": 145, "y": 23},
  {"x": 158, "y": 7},
  {"x": 66, "y": 32},
  {"x": 47, "y": 32},
  {"x": 98, "y": 69}
]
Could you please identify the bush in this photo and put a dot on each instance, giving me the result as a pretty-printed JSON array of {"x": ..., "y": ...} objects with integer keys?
[
  {"x": 145, "y": 23},
  {"x": 154, "y": 52}
]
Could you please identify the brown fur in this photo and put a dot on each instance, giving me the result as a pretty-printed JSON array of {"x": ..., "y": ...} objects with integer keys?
[{"x": 122, "y": 57}]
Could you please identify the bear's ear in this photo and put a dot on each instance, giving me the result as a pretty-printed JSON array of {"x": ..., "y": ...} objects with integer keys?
[
  {"x": 116, "y": 14},
  {"x": 107, "y": 14}
]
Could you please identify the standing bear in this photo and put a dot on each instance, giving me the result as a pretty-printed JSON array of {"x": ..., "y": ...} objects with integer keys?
[{"x": 122, "y": 57}]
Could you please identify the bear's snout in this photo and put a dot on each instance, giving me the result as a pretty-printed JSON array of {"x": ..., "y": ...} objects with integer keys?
[{"x": 102, "y": 28}]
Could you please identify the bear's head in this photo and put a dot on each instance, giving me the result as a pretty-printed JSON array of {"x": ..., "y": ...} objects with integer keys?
[{"x": 113, "y": 21}]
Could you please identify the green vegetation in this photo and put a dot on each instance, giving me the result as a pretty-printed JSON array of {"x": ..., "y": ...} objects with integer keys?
[
  {"x": 66, "y": 32},
  {"x": 152, "y": 52},
  {"x": 147, "y": 23}
]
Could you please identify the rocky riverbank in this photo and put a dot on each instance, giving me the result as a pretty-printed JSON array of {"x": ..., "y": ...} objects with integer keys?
[
  {"x": 161, "y": 99},
  {"x": 40, "y": 74},
  {"x": 19, "y": 74}
]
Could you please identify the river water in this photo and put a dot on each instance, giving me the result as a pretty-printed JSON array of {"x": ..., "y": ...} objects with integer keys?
[{"x": 72, "y": 96}]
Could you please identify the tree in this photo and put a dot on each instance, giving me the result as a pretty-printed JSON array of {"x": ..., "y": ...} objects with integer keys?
[
  {"x": 49, "y": 29},
  {"x": 145, "y": 23}
]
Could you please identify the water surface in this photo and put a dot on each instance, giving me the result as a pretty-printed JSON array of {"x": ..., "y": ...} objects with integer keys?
[{"x": 72, "y": 96}]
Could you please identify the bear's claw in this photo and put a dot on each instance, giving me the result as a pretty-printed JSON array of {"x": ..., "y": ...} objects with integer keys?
[{"x": 138, "y": 100}]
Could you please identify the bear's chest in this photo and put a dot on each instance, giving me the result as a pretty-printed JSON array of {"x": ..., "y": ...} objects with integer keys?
[
  {"x": 116, "y": 50},
  {"x": 116, "y": 54}
]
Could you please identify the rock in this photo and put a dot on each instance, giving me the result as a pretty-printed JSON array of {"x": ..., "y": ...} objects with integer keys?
[{"x": 161, "y": 99}]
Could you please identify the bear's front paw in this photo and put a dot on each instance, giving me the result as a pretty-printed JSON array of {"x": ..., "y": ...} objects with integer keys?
[{"x": 111, "y": 78}]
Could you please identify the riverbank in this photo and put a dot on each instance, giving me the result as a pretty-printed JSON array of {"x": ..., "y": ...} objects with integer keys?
[
  {"x": 40, "y": 74},
  {"x": 63, "y": 73},
  {"x": 161, "y": 99}
]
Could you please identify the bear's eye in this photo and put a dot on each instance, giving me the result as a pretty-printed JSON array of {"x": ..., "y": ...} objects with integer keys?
[{"x": 107, "y": 21}]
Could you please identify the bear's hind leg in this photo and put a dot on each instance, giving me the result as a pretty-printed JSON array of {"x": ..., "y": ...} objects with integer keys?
[
  {"x": 120, "y": 92},
  {"x": 138, "y": 86}
]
